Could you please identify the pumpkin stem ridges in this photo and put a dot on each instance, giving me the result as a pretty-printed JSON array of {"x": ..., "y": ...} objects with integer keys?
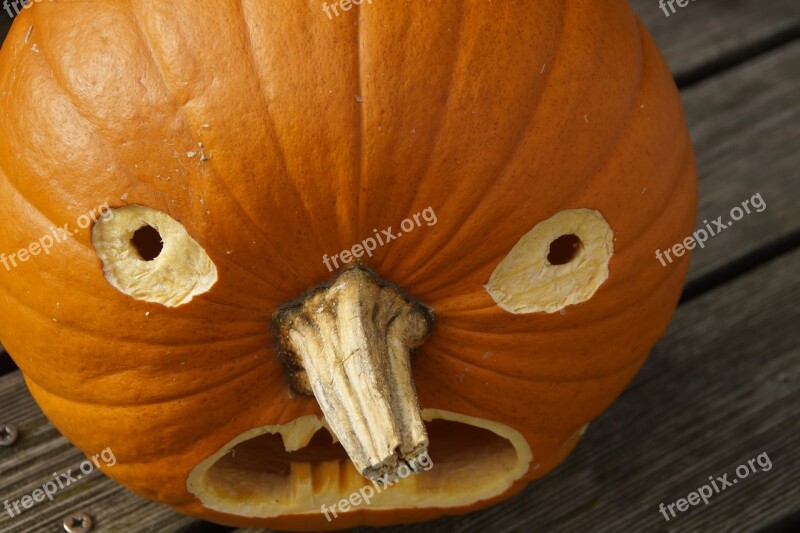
[{"x": 349, "y": 344}]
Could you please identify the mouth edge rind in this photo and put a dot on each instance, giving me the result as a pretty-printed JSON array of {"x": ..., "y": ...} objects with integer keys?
[{"x": 199, "y": 485}]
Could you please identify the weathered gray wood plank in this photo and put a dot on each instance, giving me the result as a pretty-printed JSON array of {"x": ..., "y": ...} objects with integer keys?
[
  {"x": 745, "y": 125},
  {"x": 712, "y": 31},
  {"x": 5, "y": 24},
  {"x": 39, "y": 453}
]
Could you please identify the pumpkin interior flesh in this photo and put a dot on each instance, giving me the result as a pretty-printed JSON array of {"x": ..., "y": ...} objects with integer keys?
[
  {"x": 267, "y": 454},
  {"x": 472, "y": 459}
]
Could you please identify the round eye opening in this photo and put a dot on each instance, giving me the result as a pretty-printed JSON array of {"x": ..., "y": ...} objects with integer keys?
[
  {"x": 147, "y": 242},
  {"x": 561, "y": 261},
  {"x": 564, "y": 249},
  {"x": 128, "y": 242}
]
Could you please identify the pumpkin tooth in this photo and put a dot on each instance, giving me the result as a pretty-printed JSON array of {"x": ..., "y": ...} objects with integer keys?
[
  {"x": 301, "y": 480},
  {"x": 351, "y": 341},
  {"x": 300, "y": 432},
  {"x": 323, "y": 480}
]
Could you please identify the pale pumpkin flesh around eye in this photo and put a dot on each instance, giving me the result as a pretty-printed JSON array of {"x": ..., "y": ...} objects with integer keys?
[
  {"x": 181, "y": 270},
  {"x": 527, "y": 282},
  {"x": 291, "y": 469}
]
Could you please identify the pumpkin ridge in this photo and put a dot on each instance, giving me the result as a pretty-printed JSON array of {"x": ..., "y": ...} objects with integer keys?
[
  {"x": 448, "y": 246},
  {"x": 125, "y": 340},
  {"x": 209, "y": 168},
  {"x": 534, "y": 108},
  {"x": 443, "y": 351},
  {"x": 13, "y": 186},
  {"x": 250, "y": 52},
  {"x": 678, "y": 185},
  {"x": 453, "y": 321},
  {"x": 60, "y": 82},
  {"x": 481, "y": 406},
  {"x": 491, "y": 184},
  {"x": 359, "y": 160},
  {"x": 256, "y": 310},
  {"x": 683, "y": 173},
  {"x": 440, "y": 124},
  {"x": 621, "y": 130},
  {"x": 165, "y": 399},
  {"x": 473, "y": 271}
]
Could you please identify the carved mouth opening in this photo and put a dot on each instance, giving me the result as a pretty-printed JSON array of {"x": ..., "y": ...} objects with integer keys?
[{"x": 296, "y": 468}]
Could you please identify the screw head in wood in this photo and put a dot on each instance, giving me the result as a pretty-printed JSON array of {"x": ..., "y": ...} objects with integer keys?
[
  {"x": 8, "y": 434},
  {"x": 78, "y": 522}
]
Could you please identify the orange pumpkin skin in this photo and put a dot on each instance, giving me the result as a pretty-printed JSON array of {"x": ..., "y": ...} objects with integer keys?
[{"x": 314, "y": 132}]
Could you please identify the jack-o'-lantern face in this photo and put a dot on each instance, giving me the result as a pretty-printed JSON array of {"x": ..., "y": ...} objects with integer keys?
[{"x": 409, "y": 244}]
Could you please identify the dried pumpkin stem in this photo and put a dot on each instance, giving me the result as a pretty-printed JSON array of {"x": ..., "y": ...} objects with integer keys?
[{"x": 349, "y": 344}]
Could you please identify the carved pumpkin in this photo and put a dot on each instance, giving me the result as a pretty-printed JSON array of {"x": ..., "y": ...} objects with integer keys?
[{"x": 214, "y": 309}]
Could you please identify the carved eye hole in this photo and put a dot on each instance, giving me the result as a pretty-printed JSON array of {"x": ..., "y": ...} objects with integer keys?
[
  {"x": 147, "y": 241},
  {"x": 562, "y": 261},
  {"x": 564, "y": 249},
  {"x": 148, "y": 255}
]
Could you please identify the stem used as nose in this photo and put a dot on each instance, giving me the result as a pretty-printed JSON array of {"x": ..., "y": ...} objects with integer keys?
[{"x": 349, "y": 344}]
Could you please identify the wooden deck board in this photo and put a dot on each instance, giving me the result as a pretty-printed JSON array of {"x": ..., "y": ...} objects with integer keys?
[
  {"x": 709, "y": 34},
  {"x": 743, "y": 383},
  {"x": 745, "y": 125},
  {"x": 42, "y": 451}
]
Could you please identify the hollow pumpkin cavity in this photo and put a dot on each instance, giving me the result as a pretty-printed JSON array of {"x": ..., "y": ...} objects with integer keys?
[{"x": 295, "y": 468}]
